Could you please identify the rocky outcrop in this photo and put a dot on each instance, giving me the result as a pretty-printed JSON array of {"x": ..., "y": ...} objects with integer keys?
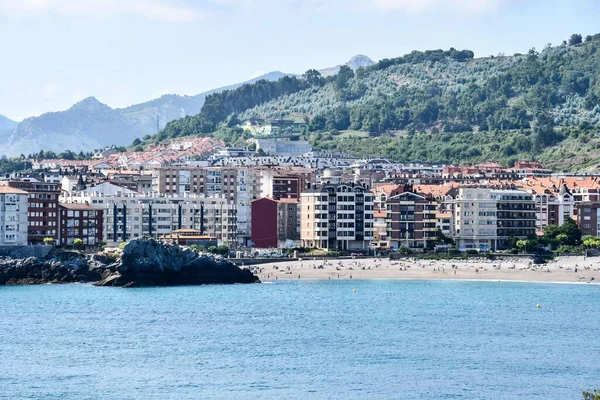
[
  {"x": 144, "y": 262},
  {"x": 58, "y": 267},
  {"x": 149, "y": 262}
]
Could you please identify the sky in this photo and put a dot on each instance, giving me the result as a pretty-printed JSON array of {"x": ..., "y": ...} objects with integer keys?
[{"x": 54, "y": 53}]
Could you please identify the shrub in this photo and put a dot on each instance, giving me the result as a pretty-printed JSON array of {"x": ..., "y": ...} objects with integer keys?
[
  {"x": 49, "y": 241},
  {"x": 405, "y": 250},
  {"x": 213, "y": 250},
  {"x": 472, "y": 252}
]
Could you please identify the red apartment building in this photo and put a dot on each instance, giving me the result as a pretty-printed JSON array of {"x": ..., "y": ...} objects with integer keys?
[
  {"x": 80, "y": 221},
  {"x": 43, "y": 208},
  {"x": 274, "y": 221}
]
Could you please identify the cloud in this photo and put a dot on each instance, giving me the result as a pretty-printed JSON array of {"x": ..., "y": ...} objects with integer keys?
[
  {"x": 416, "y": 6},
  {"x": 152, "y": 9}
]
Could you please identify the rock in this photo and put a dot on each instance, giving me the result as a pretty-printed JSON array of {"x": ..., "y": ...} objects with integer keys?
[
  {"x": 58, "y": 267},
  {"x": 149, "y": 262},
  {"x": 144, "y": 262}
]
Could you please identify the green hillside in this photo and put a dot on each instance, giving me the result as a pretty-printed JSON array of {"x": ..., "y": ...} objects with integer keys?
[{"x": 433, "y": 106}]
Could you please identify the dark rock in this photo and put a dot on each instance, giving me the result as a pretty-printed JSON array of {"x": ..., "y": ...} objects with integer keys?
[
  {"x": 149, "y": 262},
  {"x": 144, "y": 262},
  {"x": 57, "y": 267}
]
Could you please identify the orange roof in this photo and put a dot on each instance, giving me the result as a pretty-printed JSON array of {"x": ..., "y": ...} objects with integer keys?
[
  {"x": 435, "y": 190},
  {"x": 386, "y": 188},
  {"x": 9, "y": 190}
]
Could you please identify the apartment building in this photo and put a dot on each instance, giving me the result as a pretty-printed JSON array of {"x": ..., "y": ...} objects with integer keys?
[
  {"x": 13, "y": 216},
  {"x": 553, "y": 208},
  {"x": 516, "y": 215},
  {"x": 239, "y": 185},
  {"x": 588, "y": 217},
  {"x": 80, "y": 221},
  {"x": 380, "y": 233},
  {"x": 485, "y": 219},
  {"x": 42, "y": 208},
  {"x": 411, "y": 220},
  {"x": 284, "y": 183},
  {"x": 128, "y": 215},
  {"x": 275, "y": 223},
  {"x": 336, "y": 216}
]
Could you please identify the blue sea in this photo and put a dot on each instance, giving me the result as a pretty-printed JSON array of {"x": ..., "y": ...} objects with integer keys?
[{"x": 379, "y": 339}]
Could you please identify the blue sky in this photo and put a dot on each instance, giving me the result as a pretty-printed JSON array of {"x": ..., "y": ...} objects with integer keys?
[{"x": 57, "y": 52}]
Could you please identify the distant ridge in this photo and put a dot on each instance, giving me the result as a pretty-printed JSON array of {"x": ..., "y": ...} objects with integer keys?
[
  {"x": 90, "y": 124},
  {"x": 6, "y": 123}
]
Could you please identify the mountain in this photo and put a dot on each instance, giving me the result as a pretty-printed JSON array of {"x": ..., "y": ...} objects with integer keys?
[
  {"x": 85, "y": 126},
  {"x": 90, "y": 125},
  {"x": 441, "y": 106},
  {"x": 6, "y": 124},
  {"x": 172, "y": 106},
  {"x": 355, "y": 62}
]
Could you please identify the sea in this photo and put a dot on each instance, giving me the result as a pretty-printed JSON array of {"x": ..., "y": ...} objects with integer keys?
[{"x": 338, "y": 339}]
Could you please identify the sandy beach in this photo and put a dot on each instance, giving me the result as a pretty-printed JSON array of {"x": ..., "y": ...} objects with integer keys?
[{"x": 563, "y": 269}]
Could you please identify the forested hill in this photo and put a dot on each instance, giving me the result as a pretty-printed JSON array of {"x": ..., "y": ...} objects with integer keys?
[{"x": 439, "y": 106}]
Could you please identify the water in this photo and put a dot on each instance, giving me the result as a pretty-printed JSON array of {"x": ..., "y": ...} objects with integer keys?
[{"x": 301, "y": 340}]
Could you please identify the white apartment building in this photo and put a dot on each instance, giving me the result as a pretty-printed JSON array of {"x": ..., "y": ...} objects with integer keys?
[
  {"x": 336, "y": 216},
  {"x": 130, "y": 215},
  {"x": 475, "y": 219},
  {"x": 13, "y": 216},
  {"x": 237, "y": 185},
  {"x": 485, "y": 218}
]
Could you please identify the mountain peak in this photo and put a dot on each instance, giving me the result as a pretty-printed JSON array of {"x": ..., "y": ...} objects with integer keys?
[
  {"x": 359, "y": 60},
  {"x": 355, "y": 62},
  {"x": 89, "y": 103}
]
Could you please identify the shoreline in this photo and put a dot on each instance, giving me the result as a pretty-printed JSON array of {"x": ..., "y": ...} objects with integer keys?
[{"x": 564, "y": 270}]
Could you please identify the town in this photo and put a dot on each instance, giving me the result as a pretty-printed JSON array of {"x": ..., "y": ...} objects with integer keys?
[{"x": 282, "y": 195}]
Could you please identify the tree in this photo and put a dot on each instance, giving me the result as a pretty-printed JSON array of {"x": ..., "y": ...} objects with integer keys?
[
  {"x": 552, "y": 231},
  {"x": 592, "y": 242},
  {"x": 575, "y": 39},
  {"x": 223, "y": 250},
  {"x": 527, "y": 245},
  {"x": 405, "y": 250},
  {"x": 343, "y": 76},
  {"x": 137, "y": 142},
  {"x": 572, "y": 232},
  {"x": 318, "y": 123},
  {"x": 313, "y": 78},
  {"x": 49, "y": 241},
  {"x": 78, "y": 243},
  {"x": 443, "y": 238},
  {"x": 522, "y": 245}
]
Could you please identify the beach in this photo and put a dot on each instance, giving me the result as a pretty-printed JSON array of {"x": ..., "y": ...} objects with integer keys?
[{"x": 563, "y": 269}]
